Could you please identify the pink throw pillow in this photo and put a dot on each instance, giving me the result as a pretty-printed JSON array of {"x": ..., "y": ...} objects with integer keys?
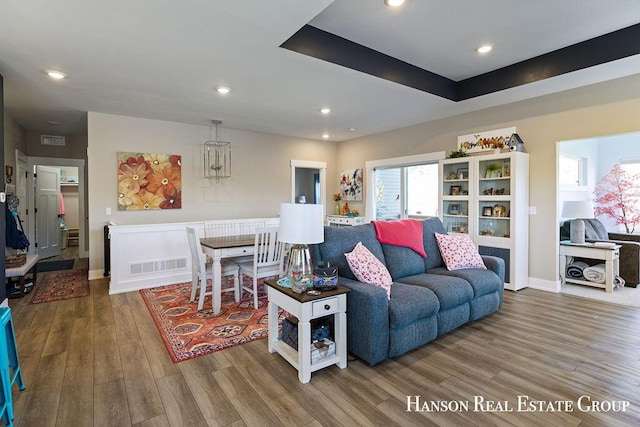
[
  {"x": 459, "y": 251},
  {"x": 368, "y": 269}
]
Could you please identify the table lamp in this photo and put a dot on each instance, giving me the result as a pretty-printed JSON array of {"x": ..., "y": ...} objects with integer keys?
[
  {"x": 300, "y": 225},
  {"x": 577, "y": 209}
]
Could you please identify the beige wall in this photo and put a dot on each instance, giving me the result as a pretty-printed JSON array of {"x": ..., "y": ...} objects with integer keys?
[
  {"x": 75, "y": 147},
  {"x": 603, "y": 109},
  {"x": 15, "y": 137},
  {"x": 260, "y": 180}
]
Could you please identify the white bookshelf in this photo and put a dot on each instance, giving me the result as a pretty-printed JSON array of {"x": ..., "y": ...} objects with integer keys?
[{"x": 497, "y": 208}]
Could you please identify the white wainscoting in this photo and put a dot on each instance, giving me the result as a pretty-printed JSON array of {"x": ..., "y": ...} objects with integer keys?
[{"x": 145, "y": 256}]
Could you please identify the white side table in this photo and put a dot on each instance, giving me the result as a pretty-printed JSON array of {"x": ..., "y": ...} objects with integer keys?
[
  {"x": 306, "y": 307},
  {"x": 609, "y": 254}
]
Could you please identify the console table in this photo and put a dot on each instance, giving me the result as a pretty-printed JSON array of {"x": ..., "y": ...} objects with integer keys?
[
  {"x": 609, "y": 254},
  {"x": 307, "y": 307},
  {"x": 343, "y": 220}
]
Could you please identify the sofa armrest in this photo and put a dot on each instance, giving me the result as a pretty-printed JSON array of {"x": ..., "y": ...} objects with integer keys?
[
  {"x": 495, "y": 264},
  {"x": 625, "y": 237},
  {"x": 367, "y": 321}
]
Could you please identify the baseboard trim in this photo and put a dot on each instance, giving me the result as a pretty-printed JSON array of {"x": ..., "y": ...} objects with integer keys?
[{"x": 544, "y": 285}]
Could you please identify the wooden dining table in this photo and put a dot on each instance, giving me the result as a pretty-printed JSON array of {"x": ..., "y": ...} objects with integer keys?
[{"x": 225, "y": 247}]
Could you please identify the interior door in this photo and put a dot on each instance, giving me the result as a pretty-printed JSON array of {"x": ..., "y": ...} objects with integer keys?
[{"x": 47, "y": 205}]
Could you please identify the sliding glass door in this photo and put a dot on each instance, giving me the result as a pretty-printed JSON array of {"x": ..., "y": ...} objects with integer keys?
[{"x": 406, "y": 192}]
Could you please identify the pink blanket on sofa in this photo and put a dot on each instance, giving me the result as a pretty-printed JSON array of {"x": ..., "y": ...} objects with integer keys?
[{"x": 401, "y": 232}]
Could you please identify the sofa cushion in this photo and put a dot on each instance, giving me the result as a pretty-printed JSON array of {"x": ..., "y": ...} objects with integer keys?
[
  {"x": 401, "y": 261},
  {"x": 483, "y": 281},
  {"x": 429, "y": 228},
  {"x": 340, "y": 240},
  {"x": 459, "y": 252},
  {"x": 410, "y": 303},
  {"x": 451, "y": 291},
  {"x": 368, "y": 269}
]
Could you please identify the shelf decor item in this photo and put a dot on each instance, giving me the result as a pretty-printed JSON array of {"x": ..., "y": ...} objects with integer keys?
[
  {"x": 336, "y": 198},
  {"x": 486, "y": 142}
]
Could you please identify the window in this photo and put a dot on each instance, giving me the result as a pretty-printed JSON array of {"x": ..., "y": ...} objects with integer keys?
[
  {"x": 406, "y": 192},
  {"x": 572, "y": 170},
  {"x": 631, "y": 166}
]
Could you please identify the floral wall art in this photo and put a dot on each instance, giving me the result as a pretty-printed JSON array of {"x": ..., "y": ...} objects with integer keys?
[
  {"x": 148, "y": 181},
  {"x": 351, "y": 185}
]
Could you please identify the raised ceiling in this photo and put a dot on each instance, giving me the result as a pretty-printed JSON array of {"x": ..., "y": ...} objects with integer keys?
[{"x": 162, "y": 59}]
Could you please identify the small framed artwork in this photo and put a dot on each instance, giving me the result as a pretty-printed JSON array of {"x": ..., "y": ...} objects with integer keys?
[
  {"x": 455, "y": 190},
  {"x": 487, "y": 211},
  {"x": 462, "y": 173},
  {"x": 454, "y": 209},
  {"x": 506, "y": 170}
]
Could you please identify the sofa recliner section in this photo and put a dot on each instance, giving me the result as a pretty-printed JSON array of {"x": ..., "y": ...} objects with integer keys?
[{"x": 426, "y": 300}]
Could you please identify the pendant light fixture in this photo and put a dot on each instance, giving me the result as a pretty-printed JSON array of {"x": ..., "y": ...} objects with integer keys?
[{"x": 217, "y": 154}]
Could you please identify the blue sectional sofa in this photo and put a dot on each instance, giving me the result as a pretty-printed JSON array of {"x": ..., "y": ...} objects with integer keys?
[{"x": 426, "y": 301}]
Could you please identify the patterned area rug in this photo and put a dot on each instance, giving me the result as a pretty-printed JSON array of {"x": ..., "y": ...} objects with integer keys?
[
  {"x": 61, "y": 285},
  {"x": 189, "y": 333}
]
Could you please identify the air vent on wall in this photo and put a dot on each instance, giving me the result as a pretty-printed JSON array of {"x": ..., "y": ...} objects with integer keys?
[{"x": 52, "y": 140}]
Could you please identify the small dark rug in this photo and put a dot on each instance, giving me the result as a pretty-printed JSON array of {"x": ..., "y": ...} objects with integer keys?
[{"x": 64, "y": 264}]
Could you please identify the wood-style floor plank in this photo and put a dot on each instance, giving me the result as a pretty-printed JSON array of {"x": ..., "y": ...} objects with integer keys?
[{"x": 99, "y": 360}]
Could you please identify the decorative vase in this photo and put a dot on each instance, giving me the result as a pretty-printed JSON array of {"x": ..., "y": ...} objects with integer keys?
[{"x": 338, "y": 208}]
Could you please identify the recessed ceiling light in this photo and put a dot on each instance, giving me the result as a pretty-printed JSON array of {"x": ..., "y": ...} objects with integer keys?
[
  {"x": 325, "y": 135},
  {"x": 393, "y": 3},
  {"x": 325, "y": 110},
  {"x": 486, "y": 48},
  {"x": 351, "y": 129},
  {"x": 56, "y": 75},
  {"x": 223, "y": 90}
]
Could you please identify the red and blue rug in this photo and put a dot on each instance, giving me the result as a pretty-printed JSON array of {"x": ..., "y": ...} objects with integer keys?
[
  {"x": 189, "y": 333},
  {"x": 60, "y": 285}
]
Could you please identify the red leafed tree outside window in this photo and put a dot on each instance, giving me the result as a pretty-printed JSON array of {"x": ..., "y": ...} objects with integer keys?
[{"x": 617, "y": 195}]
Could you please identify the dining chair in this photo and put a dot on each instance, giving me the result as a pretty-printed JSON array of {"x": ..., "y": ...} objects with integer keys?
[
  {"x": 202, "y": 272},
  {"x": 267, "y": 260}
]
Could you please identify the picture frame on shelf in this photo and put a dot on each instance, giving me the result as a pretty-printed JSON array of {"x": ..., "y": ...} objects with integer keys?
[
  {"x": 455, "y": 190},
  {"x": 462, "y": 173},
  {"x": 454, "y": 209},
  {"x": 506, "y": 170},
  {"x": 487, "y": 211}
]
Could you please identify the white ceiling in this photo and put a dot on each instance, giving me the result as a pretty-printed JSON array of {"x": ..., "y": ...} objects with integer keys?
[{"x": 163, "y": 59}]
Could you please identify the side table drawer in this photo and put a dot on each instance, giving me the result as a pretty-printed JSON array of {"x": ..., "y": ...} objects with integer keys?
[{"x": 324, "y": 307}]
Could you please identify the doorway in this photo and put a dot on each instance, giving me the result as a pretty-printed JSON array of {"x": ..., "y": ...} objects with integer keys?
[
  {"x": 72, "y": 177},
  {"x": 308, "y": 180}
]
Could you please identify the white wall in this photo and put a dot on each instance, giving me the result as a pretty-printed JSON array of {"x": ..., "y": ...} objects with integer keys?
[{"x": 260, "y": 180}]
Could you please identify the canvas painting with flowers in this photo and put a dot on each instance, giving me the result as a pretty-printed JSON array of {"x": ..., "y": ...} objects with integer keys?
[{"x": 149, "y": 181}]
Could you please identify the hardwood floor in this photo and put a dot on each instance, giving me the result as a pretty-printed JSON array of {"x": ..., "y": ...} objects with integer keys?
[{"x": 99, "y": 360}]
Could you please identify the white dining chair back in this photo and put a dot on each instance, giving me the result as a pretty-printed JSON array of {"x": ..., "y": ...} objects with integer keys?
[
  {"x": 201, "y": 273},
  {"x": 268, "y": 258},
  {"x": 232, "y": 227}
]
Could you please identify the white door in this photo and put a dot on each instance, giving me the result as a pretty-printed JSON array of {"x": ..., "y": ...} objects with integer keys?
[
  {"x": 47, "y": 206},
  {"x": 21, "y": 190}
]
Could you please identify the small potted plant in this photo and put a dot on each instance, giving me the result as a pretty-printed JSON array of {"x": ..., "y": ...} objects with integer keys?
[
  {"x": 492, "y": 170},
  {"x": 336, "y": 198}
]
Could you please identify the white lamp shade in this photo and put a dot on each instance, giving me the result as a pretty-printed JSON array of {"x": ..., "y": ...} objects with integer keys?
[
  {"x": 301, "y": 223},
  {"x": 577, "y": 209}
]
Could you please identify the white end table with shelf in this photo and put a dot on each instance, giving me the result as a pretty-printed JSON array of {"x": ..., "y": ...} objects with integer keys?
[
  {"x": 307, "y": 307},
  {"x": 609, "y": 254}
]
